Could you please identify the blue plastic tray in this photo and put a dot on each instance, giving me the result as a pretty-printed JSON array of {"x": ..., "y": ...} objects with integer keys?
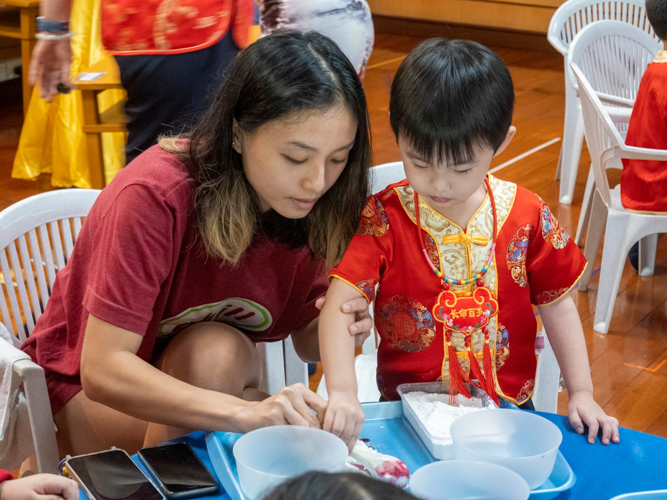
[
  {"x": 648, "y": 495},
  {"x": 388, "y": 432}
]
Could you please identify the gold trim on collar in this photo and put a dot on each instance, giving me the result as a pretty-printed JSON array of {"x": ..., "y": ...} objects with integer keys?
[{"x": 661, "y": 56}]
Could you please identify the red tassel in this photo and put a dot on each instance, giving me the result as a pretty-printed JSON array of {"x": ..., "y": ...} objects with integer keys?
[
  {"x": 488, "y": 370},
  {"x": 457, "y": 377},
  {"x": 476, "y": 371}
]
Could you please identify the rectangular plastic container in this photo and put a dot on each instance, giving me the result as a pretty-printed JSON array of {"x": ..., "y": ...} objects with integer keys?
[{"x": 441, "y": 448}]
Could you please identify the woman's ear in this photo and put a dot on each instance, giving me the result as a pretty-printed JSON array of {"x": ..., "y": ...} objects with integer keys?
[
  {"x": 237, "y": 135},
  {"x": 508, "y": 138}
]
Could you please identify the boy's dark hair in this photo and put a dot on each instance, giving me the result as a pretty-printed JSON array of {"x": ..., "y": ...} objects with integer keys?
[
  {"x": 449, "y": 97},
  {"x": 344, "y": 485},
  {"x": 656, "y": 11}
]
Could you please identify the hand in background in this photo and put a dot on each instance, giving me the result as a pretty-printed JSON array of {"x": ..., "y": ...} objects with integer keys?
[
  {"x": 583, "y": 409},
  {"x": 50, "y": 65},
  {"x": 39, "y": 487}
]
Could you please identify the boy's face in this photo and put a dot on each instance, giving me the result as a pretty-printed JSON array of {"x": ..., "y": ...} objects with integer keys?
[{"x": 445, "y": 186}]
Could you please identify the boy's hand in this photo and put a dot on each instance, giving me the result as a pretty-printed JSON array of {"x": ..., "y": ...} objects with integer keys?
[
  {"x": 344, "y": 417},
  {"x": 583, "y": 409},
  {"x": 39, "y": 487},
  {"x": 363, "y": 323}
]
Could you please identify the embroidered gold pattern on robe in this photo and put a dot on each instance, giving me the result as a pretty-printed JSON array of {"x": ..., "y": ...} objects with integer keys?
[{"x": 461, "y": 261}]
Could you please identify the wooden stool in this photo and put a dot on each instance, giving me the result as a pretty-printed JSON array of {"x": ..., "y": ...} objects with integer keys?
[
  {"x": 29, "y": 10},
  {"x": 94, "y": 122}
]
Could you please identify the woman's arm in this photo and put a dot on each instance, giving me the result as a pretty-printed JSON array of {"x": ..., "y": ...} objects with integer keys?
[
  {"x": 51, "y": 59},
  {"x": 112, "y": 374},
  {"x": 344, "y": 416},
  {"x": 563, "y": 327}
]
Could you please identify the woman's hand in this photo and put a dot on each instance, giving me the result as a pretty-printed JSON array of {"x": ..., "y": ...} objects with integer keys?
[
  {"x": 344, "y": 417},
  {"x": 363, "y": 322},
  {"x": 39, "y": 486},
  {"x": 292, "y": 405},
  {"x": 582, "y": 409},
  {"x": 50, "y": 65}
]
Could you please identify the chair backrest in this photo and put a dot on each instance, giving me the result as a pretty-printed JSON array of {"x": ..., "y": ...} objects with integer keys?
[
  {"x": 381, "y": 177},
  {"x": 601, "y": 134},
  {"x": 605, "y": 143},
  {"x": 613, "y": 56},
  {"x": 37, "y": 236},
  {"x": 385, "y": 174},
  {"x": 574, "y": 15}
]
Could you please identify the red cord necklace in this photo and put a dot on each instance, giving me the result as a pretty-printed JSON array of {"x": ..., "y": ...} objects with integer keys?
[{"x": 465, "y": 315}]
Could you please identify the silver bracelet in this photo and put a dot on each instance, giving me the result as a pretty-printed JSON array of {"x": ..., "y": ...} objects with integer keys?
[{"x": 54, "y": 36}]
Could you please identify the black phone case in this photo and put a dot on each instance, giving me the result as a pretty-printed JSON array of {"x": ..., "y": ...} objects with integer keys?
[
  {"x": 66, "y": 469},
  {"x": 180, "y": 495}
]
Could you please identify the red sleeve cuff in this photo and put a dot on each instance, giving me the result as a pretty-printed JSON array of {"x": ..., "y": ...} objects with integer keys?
[{"x": 5, "y": 475}]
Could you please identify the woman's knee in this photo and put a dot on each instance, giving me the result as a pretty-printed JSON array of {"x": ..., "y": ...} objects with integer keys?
[
  {"x": 85, "y": 426},
  {"x": 213, "y": 356}
]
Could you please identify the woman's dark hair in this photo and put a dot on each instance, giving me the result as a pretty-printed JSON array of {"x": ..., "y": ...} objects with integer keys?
[
  {"x": 344, "y": 485},
  {"x": 656, "y": 11},
  {"x": 277, "y": 77},
  {"x": 449, "y": 97}
]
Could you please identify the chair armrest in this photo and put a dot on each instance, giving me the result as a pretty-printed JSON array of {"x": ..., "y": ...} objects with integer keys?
[
  {"x": 618, "y": 115},
  {"x": 612, "y": 99},
  {"x": 633, "y": 153},
  {"x": 39, "y": 413}
]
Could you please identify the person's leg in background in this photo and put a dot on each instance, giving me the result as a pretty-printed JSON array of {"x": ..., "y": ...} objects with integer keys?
[{"x": 165, "y": 93}]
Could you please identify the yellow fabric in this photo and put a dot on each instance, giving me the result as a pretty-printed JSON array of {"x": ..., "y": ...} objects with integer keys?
[
  {"x": 464, "y": 238},
  {"x": 51, "y": 139}
]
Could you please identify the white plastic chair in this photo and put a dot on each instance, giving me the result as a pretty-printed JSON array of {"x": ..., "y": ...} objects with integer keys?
[
  {"x": 613, "y": 57},
  {"x": 623, "y": 228},
  {"x": 282, "y": 365},
  {"x": 36, "y": 240},
  {"x": 570, "y": 18}
]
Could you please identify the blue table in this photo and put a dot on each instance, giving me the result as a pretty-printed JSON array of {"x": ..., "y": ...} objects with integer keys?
[{"x": 638, "y": 463}]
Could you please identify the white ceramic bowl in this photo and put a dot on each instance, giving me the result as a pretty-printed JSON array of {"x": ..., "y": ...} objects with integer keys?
[
  {"x": 267, "y": 457},
  {"x": 516, "y": 439},
  {"x": 462, "y": 480}
]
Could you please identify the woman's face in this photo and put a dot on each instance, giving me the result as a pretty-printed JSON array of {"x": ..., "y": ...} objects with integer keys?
[{"x": 293, "y": 161}]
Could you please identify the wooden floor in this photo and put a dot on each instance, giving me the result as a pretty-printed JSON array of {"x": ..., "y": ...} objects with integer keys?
[{"x": 628, "y": 364}]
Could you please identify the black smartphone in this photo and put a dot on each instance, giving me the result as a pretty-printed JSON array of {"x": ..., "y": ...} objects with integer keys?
[
  {"x": 178, "y": 471},
  {"x": 110, "y": 475}
]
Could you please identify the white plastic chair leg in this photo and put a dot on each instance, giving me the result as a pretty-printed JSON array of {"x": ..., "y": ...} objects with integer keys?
[
  {"x": 573, "y": 140},
  {"x": 586, "y": 205},
  {"x": 596, "y": 227},
  {"x": 273, "y": 365},
  {"x": 545, "y": 396},
  {"x": 296, "y": 371},
  {"x": 647, "y": 250},
  {"x": 618, "y": 240}
]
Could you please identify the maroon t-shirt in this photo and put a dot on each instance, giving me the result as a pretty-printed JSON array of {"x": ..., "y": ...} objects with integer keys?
[{"x": 139, "y": 264}]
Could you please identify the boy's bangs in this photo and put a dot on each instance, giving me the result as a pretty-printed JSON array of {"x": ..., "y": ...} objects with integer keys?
[{"x": 454, "y": 144}]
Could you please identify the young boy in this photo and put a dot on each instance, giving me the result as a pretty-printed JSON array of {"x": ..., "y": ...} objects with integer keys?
[
  {"x": 644, "y": 182},
  {"x": 456, "y": 289}
]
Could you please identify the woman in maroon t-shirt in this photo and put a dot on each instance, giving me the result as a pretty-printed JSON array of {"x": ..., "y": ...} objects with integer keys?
[{"x": 205, "y": 245}]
